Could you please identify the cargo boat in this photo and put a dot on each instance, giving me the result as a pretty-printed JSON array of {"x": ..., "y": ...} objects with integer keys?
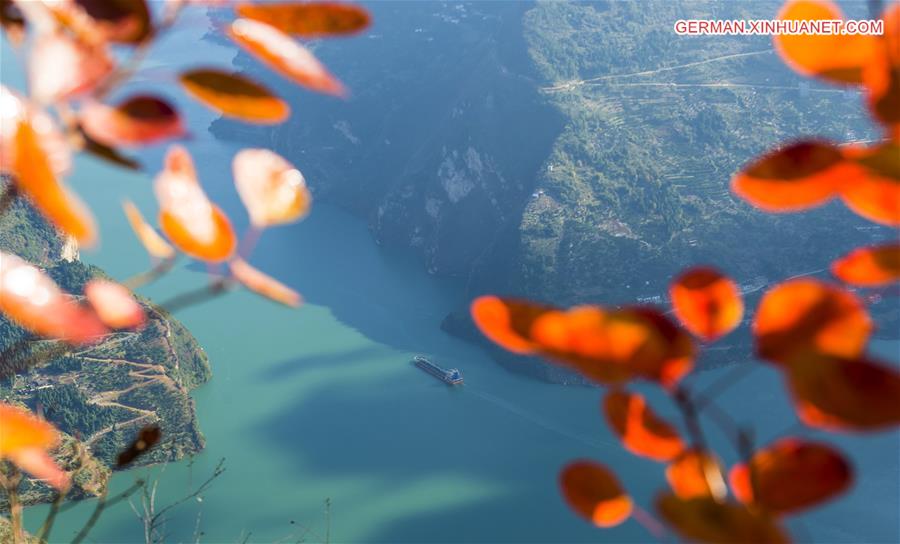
[{"x": 448, "y": 376}]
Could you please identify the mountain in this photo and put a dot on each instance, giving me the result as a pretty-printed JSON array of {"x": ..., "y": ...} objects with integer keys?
[
  {"x": 103, "y": 393},
  {"x": 568, "y": 152}
]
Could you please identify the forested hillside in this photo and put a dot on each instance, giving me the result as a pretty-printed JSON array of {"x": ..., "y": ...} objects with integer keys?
[
  {"x": 104, "y": 393},
  {"x": 571, "y": 152}
]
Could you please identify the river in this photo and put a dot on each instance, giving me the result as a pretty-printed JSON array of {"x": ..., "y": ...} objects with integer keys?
[{"x": 322, "y": 404}]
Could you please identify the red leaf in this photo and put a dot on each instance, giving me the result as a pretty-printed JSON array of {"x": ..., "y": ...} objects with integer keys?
[
  {"x": 875, "y": 192},
  {"x": 114, "y": 304},
  {"x": 34, "y": 176},
  {"x": 194, "y": 224},
  {"x": 845, "y": 394},
  {"x": 792, "y": 475},
  {"x": 801, "y": 175},
  {"x": 31, "y": 299},
  {"x": 594, "y": 493},
  {"x": 806, "y": 318},
  {"x": 837, "y": 58},
  {"x": 709, "y": 521},
  {"x": 706, "y": 302},
  {"x": 235, "y": 96},
  {"x": 139, "y": 120},
  {"x": 869, "y": 266},
  {"x": 284, "y": 55},
  {"x": 309, "y": 19},
  {"x": 642, "y": 432},
  {"x": 61, "y": 67},
  {"x": 696, "y": 474},
  {"x": 272, "y": 190}
]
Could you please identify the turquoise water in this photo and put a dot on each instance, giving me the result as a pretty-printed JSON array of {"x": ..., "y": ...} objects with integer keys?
[{"x": 322, "y": 403}]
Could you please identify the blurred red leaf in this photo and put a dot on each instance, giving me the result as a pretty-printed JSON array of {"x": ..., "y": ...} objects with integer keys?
[
  {"x": 114, "y": 304},
  {"x": 804, "y": 318},
  {"x": 695, "y": 474},
  {"x": 155, "y": 245},
  {"x": 798, "y": 176},
  {"x": 61, "y": 67},
  {"x": 309, "y": 19},
  {"x": 709, "y": 521},
  {"x": 15, "y": 109},
  {"x": 869, "y": 266},
  {"x": 194, "y": 224},
  {"x": 605, "y": 346},
  {"x": 123, "y": 21},
  {"x": 264, "y": 285},
  {"x": 235, "y": 96},
  {"x": 12, "y": 21},
  {"x": 138, "y": 120},
  {"x": 272, "y": 190},
  {"x": 845, "y": 394},
  {"x": 792, "y": 475},
  {"x": 594, "y": 493},
  {"x": 642, "y": 432},
  {"x": 31, "y": 299},
  {"x": 837, "y": 58},
  {"x": 882, "y": 74},
  {"x": 25, "y": 441},
  {"x": 284, "y": 55},
  {"x": 34, "y": 176},
  {"x": 875, "y": 192},
  {"x": 706, "y": 302},
  {"x": 508, "y": 322}
]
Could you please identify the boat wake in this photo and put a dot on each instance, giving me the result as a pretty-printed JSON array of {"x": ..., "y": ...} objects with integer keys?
[{"x": 541, "y": 422}]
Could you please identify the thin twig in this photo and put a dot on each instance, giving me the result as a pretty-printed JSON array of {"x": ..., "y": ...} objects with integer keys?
[
  {"x": 148, "y": 276},
  {"x": 689, "y": 414},
  {"x": 103, "y": 504},
  {"x": 189, "y": 298},
  {"x": 43, "y": 535},
  {"x": 10, "y": 482}
]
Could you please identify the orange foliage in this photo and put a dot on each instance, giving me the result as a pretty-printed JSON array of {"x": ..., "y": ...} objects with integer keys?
[
  {"x": 791, "y": 475},
  {"x": 642, "y": 432},
  {"x": 836, "y": 58},
  {"x": 706, "y": 302},
  {"x": 607, "y": 346},
  {"x": 795, "y": 177},
  {"x": 845, "y": 394},
  {"x": 34, "y": 176},
  {"x": 25, "y": 439},
  {"x": 594, "y": 493},
  {"x": 114, "y": 304},
  {"x": 875, "y": 192},
  {"x": 272, "y": 190},
  {"x": 235, "y": 96},
  {"x": 805, "y": 318},
  {"x": 140, "y": 120},
  {"x": 696, "y": 474},
  {"x": 709, "y": 521},
  {"x": 870, "y": 266},
  {"x": 193, "y": 223},
  {"x": 284, "y": 55},
  {"x": 31, "y": 299},
  {"x": 309, "y": 19}
]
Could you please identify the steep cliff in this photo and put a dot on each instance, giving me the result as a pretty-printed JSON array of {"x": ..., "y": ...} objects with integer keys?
[
  {"x": 572, "y": 152},
  {"x": 105, "y": 392}
]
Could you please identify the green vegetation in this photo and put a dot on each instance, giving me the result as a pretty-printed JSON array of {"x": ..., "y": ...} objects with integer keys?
[{"x": 105, "y": 392}]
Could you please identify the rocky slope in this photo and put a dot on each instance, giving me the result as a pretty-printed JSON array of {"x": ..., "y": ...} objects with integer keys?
[
  {"x": 570, "y": 152},
  {"x": 104, "y": 393}
]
